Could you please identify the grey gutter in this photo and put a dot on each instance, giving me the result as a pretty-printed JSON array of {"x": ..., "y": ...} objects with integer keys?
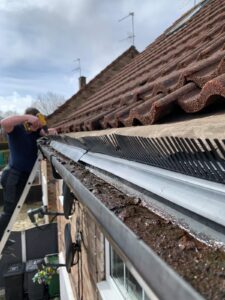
[
  {"x": 204, "y": 198},
  {"x": 156, "y": 274}
]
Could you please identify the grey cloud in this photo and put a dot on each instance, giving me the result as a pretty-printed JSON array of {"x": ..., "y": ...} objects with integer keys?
[{"x": 40, "y": 40}]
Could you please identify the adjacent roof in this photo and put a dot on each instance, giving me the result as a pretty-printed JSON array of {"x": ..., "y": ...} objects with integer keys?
[
  {"x": 184, "y": 68},
  {"x": 66, "y": 110}
]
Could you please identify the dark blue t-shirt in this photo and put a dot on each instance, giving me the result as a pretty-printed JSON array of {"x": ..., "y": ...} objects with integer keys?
[{"x": 23, "y": 148}]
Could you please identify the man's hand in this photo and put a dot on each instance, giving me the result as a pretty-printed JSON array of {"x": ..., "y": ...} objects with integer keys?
[
  {"x": 33, "y": 122},
  {"x": 51, "y": 131}
]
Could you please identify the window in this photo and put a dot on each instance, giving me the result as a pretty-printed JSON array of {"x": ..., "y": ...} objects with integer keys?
[
  {"x": 120, "y": 283},
  {"x": 60, "y": 191},
  {"x": 125, "y": 281}
]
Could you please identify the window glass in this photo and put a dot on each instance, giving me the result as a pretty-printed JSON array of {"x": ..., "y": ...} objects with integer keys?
[
  {"x": 117, "y": 268},
  {"x": 128, "y": 286},
  {"x": 133, "y": 288}
]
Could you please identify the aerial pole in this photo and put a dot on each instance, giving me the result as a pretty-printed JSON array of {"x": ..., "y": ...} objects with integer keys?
[
  {"x": 131, "y": 35},
  {"x": 132, "y": 20},
  {"x": 79, "y": 66}
]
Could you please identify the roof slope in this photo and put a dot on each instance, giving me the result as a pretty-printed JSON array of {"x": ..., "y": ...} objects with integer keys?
[{"x": 184, "y": 67}]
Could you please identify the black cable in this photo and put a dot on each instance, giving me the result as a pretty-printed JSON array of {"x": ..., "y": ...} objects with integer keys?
[
  {"x": 82, "y": 285},
  {"x": 78, "y": 279},
  {"x": 81, "y": 231},
  {"x": 47, "y": 225},
  {"x": 75, "y": 263}
]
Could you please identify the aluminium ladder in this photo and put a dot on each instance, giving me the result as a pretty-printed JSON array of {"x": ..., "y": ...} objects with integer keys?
[{"x": 19, "y": 204}]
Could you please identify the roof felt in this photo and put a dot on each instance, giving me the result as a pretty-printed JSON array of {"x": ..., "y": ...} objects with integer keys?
[{"x": 184, "y": 67}]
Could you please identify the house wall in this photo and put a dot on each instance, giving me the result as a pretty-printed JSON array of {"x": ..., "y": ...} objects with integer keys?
[
  {"x": 51, "y": 182},
  {"x": 90, "y": 268}
]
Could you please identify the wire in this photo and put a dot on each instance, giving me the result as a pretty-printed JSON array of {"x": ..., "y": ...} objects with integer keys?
[
  {"x": 78, "y": 278},
  {"x": 77, "y": 261},
  {"x": 73, "y": 207},
  {"x": 47, "y": 225},
  {"x": 82, "y": 285}
]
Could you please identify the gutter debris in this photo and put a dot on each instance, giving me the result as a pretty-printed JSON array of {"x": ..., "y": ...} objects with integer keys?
[{"x": 201, "y": 265}]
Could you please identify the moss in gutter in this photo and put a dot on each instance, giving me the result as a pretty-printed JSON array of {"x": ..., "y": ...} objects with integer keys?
[{"x": 199, "y": 264}]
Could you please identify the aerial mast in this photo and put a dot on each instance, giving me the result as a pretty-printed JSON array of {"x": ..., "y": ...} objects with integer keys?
[
  {"x": 132, "y": 35},
  {"x": 79, "y": 66}
]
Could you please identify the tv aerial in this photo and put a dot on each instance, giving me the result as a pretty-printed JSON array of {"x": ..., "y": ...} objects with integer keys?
[
  {"x": 79, "y": 66},
  {"x": 130, "y": 35}
]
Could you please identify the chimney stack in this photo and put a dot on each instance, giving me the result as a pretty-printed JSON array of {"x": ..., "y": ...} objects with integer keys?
[{"x": 82, "y": 82}]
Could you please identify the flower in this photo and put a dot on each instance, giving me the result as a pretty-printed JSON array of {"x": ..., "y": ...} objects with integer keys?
[{"x": 44, "y": 275}]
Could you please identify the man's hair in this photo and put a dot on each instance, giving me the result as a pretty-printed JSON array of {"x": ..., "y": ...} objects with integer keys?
[{"x": 31, "y": 111}]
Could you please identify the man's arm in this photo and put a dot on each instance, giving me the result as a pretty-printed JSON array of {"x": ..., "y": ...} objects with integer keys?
[
  {"x": 51, "y": 131},
  {"x": 9, "y": 123}
]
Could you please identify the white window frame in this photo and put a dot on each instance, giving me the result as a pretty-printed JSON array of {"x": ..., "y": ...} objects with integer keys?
[
  {"x": 66, "y": 291},
  {"x": 108, "y": 289},
  {"x": 60, "y": 197}
]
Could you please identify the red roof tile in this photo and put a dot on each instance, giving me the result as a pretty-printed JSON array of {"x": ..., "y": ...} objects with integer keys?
[{"x": 184, "y": 67}]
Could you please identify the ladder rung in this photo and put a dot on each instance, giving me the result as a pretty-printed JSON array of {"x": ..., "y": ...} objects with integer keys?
[{"x": 19, "y": 204}]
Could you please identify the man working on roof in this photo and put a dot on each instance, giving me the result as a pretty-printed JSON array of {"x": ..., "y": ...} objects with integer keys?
[{"x": 22, "y": 132}]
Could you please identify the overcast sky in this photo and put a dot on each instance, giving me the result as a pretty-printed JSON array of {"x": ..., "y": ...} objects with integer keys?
[{"x": 41, "y": 39}]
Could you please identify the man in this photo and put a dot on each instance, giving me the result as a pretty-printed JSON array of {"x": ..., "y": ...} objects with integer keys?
[{"x": 22, "y": 132}]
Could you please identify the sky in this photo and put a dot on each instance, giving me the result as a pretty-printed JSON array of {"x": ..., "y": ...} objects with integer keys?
[{"x": 41, "y": 41}]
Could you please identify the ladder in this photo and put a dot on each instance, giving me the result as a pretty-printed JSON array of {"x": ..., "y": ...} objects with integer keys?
[{"x": 19, "y": 204}]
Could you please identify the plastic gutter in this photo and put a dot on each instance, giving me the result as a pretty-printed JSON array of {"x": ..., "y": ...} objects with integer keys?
[{"x": 154, "y": 272}]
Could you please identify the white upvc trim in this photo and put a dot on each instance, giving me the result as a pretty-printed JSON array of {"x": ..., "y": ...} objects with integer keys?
[
  {"x": 23, "y": 246},
  {"x": 61, "y": 199},
  {"x": 60, "y": 186},
  {"x": 107, "y": 259},
  {"x": 108, "y": 288},
  {"x": 60, "y": 195},
  {"x": 44, "y": 185},
  {"x": 109, "y": 291},
  {"x": 66, "y": 292}
]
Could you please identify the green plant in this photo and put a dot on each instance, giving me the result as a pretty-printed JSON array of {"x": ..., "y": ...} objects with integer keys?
[{"x": 44, "y": 276}]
